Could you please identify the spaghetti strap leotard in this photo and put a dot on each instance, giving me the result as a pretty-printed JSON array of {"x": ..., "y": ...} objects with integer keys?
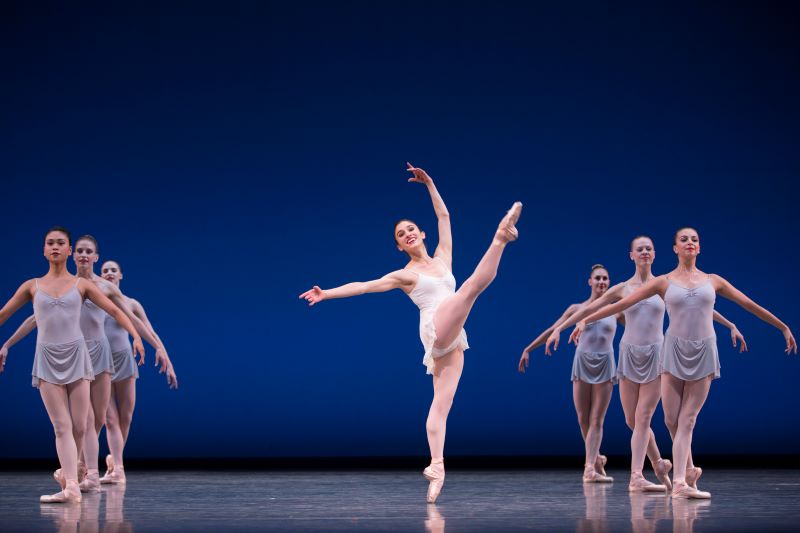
[
  {"x": 92, "y": 327},
  {"x": 640, "y": 346},
  {"x": 428, "y": 293},
  {"x": 594, "y": 356},
  {"x": 61, "y": 356},
  {"x": 121, "y": 352},
  {"x": 690, "y": 345}
]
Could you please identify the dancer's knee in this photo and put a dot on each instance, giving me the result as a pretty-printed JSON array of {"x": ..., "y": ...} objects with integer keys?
[
  {"x": 62, "y": 428},
  {"x": 687, "y": 422},
  {"x": 631, "y": 421},
  {"x": 644, "y": 417}
]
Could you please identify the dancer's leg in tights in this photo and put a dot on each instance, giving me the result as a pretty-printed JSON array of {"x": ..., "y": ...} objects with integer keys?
[
  {"x": 100, "y": 393},
  {"x": 119, "y": 416},
  {"x": 68, "y": 409},
  {"x": 591, "y": 404},
  {"x": 682, "y": 401},
  {"x": 446, "y": 373},
  {"x": 639, "y": 402}
]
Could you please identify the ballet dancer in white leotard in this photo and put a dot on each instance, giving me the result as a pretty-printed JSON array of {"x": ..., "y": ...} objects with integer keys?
[
  {"x": 429, "y": 282},
  {"x": 123, "y": 382},
  {"x": 93, "y": 328},
  {"x": 593, "y": 376},
  {"x": 62, "y": 367},
  {"x": 639, "y": 361},
  {"x": 689, "y": 358}
]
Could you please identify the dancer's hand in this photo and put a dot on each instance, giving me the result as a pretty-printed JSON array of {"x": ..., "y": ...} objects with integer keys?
[
  {"x": 791, "y": 344},
  {"x": 138, "y": 347},
  {"x": 553, "y": 339},
  {"x": 172, "y": 379},
  {"x": 315, "y": 295},
  {"x": 524, "y": 361},
  {"x": 575, "y": 336},
  {"x": 3, "y": 356},
  {"x": 420, "y": 176},
  {"x": 737, "y": 336},
  {"x": 162, "y": 360}
]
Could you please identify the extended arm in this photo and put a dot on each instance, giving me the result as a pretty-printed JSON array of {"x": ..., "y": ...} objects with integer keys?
[
  {"x": 26, "y": 327},
  {"x": 612, "y": 295},
  {"x": 162, "y": 358},
  {"x": 392, "y": 280},
  {"x": 121, "y": 301},
  {"x": 445, "y": 247},
  {"x": 97, "y": 297},
  {"x": 735, "y": 334},
  {"x": 20, "y": 298},
  {"x": 539, "y": 340},
  {"x": 724, "y": 288}
]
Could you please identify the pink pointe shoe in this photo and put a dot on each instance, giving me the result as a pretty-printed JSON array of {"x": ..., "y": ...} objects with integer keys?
[
  {"x": 91, "y": 483},
  {"x": 60, "y": 479},
  {"x": 600, "y": 465},
  {"x": 506, "y": 232},
  {"x": 590, "y": 475},
  {"x": 70, "y": 494},
  {"x": 692, "y": 475},
  {"x": 682, "y": 490},
  {"x": 639, "y": 484},
  {"x": 115, "y": 477},
  {"x": 435, "y": 474},
  {"x": 662, "y": 468}
]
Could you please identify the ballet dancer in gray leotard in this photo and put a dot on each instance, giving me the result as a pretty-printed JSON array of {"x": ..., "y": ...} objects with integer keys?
[
  {"x": 593, "y": 376},
  {"x": 639, "y": 364},
  {"x": 62, "y": 367},
  {"x": 689, "y": 359}
]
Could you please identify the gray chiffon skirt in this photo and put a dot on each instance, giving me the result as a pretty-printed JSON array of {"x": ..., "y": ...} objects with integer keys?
[
  {"x": 100, "y": 353},
  {"x": 690, "y": 360},
  {"x": 62, "y": 364},
  {"x": 124, "y": 365},
  {"x": 594, "y": 367},
  {"x": 639, "y": 363}
]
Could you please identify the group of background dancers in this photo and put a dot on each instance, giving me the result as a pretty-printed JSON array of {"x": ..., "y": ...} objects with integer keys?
[
  {"x": 676, "y": 367},
  {"x": 84, "y": 365}
]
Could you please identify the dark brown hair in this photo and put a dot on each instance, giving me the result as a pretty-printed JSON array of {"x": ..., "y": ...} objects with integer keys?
[
  {"x": 91, "y": 239},
  {"x": 111, "y": 261},
  {"x": 61, "y": 229},
  {"x": 675, "y": 237}
]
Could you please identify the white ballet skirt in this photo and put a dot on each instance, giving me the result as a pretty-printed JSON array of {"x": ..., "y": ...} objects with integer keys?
[{"x": 429, "y": 292}]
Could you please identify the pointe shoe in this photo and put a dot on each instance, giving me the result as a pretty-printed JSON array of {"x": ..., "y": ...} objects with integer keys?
[
  {"x": 60, "y": 479},
  {"x": 70, "y": 494},
  {"x": 639, "y": 484},
  {"x": 692, "y": 475},
  {"x": 590, "y": 475},
  {"x": 91, "y": 483},
  {"x": 82, "y": 471},
  {"x": 506, "y": 232},
  {"x": 600, "y": 465},
  {"x": 682, "y": 490},
  {"x": 115, "y": 477},
  {"x": 662, "y": 468},
  {"x": 435, "y": 474},
  {"x": 109, "y": 464}
]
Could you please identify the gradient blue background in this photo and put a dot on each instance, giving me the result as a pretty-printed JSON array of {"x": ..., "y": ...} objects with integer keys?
[{"x": 231, "y": 155}]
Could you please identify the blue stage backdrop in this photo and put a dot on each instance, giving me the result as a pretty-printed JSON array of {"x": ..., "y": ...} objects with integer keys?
[{"x": 230, "y": 156}]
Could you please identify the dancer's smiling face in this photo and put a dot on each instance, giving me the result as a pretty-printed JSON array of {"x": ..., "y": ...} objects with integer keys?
[
  {"x": 408, "y": 236},
  {"x": 57, "y": 247},
  {"x": 85, "y": 255},
  {"x": 686, "y": 242},
  {"x": 111, "y": 272},
  {"x": 599, "y": 280},
  {"x": 642, "y": 251}
]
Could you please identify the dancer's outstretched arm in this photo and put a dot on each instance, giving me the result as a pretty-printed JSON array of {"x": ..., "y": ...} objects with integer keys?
[
  {"x": 524, "y": 360},
  {"x": 23, "y": 295},
  {"x": 614, "y": 294},
  {"x": 122, "y": 302},
  {"x": 162, "y": 358},
  {"x": 735, "y": 334},
  {"x": 724, "y": 288},
  {"x": 399, "y": 279},
  {"x": 444, "y": 249},
  {"x": 656, "y": 285},
  {"x": 92, "y": 292},
  {"x": 28, "y": 325}
]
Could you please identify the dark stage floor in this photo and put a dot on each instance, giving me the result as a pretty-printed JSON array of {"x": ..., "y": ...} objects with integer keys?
[{"x": 533, "y": 500}]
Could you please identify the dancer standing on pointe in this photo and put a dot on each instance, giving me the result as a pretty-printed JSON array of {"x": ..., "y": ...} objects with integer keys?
[
  {"x": 689, "y": 358},
  {"x": 430, "y": 284},
  {"x": 593, "y": 376},
  {"x": 62, "y": 367},
  {"x": 637, "y": 371},
  {"x": 123, "y": 382}
]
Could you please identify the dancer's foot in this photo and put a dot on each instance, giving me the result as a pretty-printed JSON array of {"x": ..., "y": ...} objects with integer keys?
[
  {"x": 70, "y": 494},
  {"x": 682, "y": 490},
  {"x": 506, "y": 231},
  {"x": 639, "y": 484},
  {"x": 117, "y": 476},
  {"x": 109, "y": 464},
  {"x": 435, "y": 474},
  {"x": 692, "y": 475},
  {"x": 58, "y": 475},
  {"x": 662, "y": 468},
  {"x": 82, "y": 471},
  {"x": 600, "y": 464},
  {"x": 590, "y": 475},
  {"x": 91, "y": 483}
]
